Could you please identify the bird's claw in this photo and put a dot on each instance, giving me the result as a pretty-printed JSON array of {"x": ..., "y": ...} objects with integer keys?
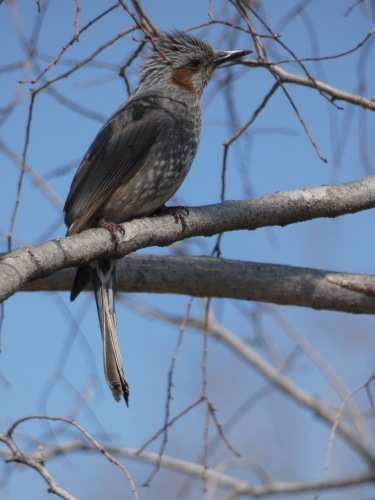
[
  {"x": 179, "y": 213},
  {"x": 112, "y": 227}
]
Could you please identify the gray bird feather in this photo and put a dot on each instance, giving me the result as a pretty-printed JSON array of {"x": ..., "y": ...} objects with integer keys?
[{"x": 137, "y": 162}]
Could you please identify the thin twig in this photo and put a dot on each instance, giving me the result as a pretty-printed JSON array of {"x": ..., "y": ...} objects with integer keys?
[
  {"x": 148, "y": 35},
  {"x": 357, "y": 2},
  {"x": 83, "y": 431},
  {"x": 85, "y": 61},
  {"x": 301, "y": 120},
  {"x": 335, "y": 426},
  {"x": 263, "y": 58},
  {"x": 235, "y": 486},
  {"x": 204, "y": 391},
  {"x": 36, "y": 464},
  {"x": 169, "y": 424},
  {"x": 76, "y": 19},
  {"x": 253, "y": 117},
  {"x": 169, "y": 392},
  {"x": 216, "y": 250},
  {"x": 22, "y": 173},
  {"x": 71, "y": 42}
]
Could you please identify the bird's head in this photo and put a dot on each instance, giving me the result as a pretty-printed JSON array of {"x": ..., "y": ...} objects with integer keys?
[{"x": 185, "y": 61}]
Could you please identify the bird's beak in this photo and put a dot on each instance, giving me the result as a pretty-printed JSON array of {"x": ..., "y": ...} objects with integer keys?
[{"x": 229, "y": 55}]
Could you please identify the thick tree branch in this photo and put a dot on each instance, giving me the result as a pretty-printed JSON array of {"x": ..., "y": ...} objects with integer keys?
[
  {"x": 212, "y": 277},
  {"x": 29, "y": 263}
]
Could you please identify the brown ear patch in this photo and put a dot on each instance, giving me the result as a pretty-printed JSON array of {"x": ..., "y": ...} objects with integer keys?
[{"x": 182, "y": 77}]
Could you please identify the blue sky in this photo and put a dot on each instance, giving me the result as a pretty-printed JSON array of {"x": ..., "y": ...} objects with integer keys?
[{"x": 52, "y": 348}]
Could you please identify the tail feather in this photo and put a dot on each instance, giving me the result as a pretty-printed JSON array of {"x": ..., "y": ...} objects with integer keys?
[
  {"x": 103, "y": 275},
  {"x": 81, "y": 279}
]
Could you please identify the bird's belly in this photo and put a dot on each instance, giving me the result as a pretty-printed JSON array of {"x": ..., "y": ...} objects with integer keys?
[{"x": 148, "y": 189}]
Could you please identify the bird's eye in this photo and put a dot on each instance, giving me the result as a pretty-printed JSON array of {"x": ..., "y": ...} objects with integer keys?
[{"x": 194, "y": 64}]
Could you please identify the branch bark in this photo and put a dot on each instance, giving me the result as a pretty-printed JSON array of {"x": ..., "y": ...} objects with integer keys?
[
  {"x": 212, "y": 277},
  {"x": 29, "y": 263}
]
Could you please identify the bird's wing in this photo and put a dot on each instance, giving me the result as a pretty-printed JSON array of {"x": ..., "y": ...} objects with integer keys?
[{"x": 113, "y": 157}]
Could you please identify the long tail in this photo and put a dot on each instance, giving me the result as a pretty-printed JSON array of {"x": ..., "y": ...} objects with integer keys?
[{"x": 103, "y": 276}]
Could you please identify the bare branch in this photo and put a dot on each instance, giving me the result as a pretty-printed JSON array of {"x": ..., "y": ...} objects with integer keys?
[
  {"x": 262, "y": 56},
  {"x": 83, "y": 431},
  {"x": 235, "y": 486},
  {"x": 253, "y": 117},
  {"x": 335, "y": 93},
  {"x": 22, "y": 173},
  {"x": 287, "y": 386},
  {"x": 36, "y": 464},
  {"x": 75, "y": 38},
  {"x": 29, "y": 263},
  {"x": 150, "y": 26},
  {"x": 165, "y": 427},
  {"x": 278, "y": 378},
  {"x": 83, "y": 62},
  {"x": 335, "y": 425}
]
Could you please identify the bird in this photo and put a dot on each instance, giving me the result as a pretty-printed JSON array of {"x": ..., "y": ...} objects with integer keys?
[{"x": 136, "y": 163}]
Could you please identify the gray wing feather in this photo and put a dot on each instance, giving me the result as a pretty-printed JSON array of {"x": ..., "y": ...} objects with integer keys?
[{"x": 113, "y": 157}]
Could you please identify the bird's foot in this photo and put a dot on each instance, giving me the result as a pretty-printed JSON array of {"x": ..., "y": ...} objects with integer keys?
[
  {"x": 112, "y": 227},
  {"x": 179, "y": 213}
]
